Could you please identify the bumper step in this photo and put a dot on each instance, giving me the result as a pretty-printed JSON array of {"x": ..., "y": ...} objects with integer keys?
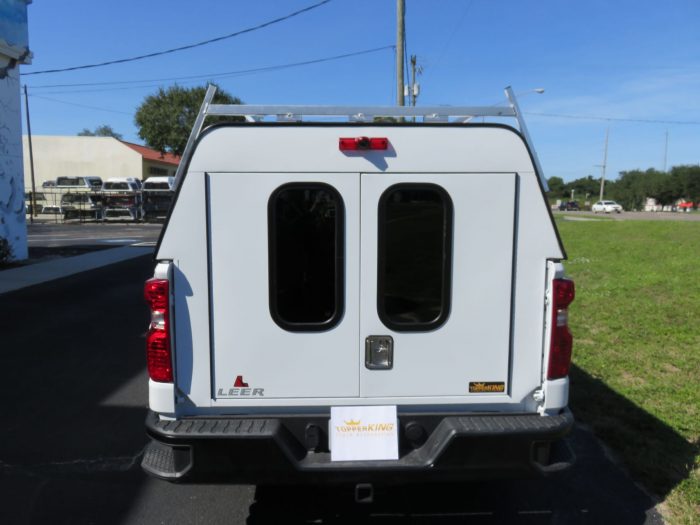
[
  {"x": 166, "y": 461},
  {"x": 454, "y": 445}
]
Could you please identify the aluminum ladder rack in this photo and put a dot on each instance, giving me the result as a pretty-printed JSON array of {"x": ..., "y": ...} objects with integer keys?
[{"x": 358, "y": 114}]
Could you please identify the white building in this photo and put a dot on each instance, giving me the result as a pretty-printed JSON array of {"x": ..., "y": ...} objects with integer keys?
[
  {"x": 105, "y": 157},
  {"x": 14, "y": 50}
]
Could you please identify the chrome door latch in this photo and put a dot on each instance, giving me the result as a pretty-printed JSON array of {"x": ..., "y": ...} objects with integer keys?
[{"x": 379, "y": 352}]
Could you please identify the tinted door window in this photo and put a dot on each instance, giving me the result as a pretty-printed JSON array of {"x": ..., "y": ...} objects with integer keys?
[
  {"x": 415, "y": 254},
  {"x": 306, "y": 259}
]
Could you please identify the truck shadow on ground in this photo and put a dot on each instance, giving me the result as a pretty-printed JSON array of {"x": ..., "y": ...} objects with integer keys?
[
  {"x": 598, "y": 489},
  {"x": 653, "y": 452},
  {"x": 595, "y": 490},
  {"x": 604, "y": 486},
  {"x": 74, "y": 390}
]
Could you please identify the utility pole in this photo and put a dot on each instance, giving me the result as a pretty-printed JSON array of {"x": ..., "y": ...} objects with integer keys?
[
  {"x": 400, "y": 39},
  {"x": 605, "y": 164},
  {"x": 666, "y": 151},
  {"x": 31, "y": 155}
]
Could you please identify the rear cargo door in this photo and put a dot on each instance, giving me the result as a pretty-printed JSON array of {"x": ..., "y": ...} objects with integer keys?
[
  {"x": 284, "y": 284},
  {"x": 436, "y": 284}
]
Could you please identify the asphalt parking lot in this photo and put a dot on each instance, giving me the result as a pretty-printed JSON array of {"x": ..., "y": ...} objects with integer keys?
[
  {"x": 75, "y": 392},
  {"x": 99, "y": 234}
]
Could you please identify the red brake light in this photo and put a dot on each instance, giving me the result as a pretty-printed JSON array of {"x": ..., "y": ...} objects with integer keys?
[
  {"x": 562, "y": 340},
  {"x": 160, "y": 367},
  {"x": 362, "y": 143},
  {"x": 158, "y": 348},
  {"x": 564, "y": 292},
  {"x": 156, "y": 292}
]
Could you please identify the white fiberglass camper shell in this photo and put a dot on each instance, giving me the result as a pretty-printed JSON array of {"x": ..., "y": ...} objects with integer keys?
[{"x": 358, "y": 301}]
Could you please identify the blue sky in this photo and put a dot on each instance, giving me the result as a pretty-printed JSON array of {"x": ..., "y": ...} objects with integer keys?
[{"x": 619, "y": 59}]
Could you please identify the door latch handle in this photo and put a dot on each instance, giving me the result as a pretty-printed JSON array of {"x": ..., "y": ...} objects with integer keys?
[{"x": 379, "y": 352}]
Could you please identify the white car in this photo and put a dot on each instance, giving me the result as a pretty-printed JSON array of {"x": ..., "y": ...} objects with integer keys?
[{"x": 606, "y": 207}]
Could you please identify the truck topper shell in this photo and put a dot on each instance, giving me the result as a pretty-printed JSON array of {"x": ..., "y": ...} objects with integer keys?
[{"x": 303, "y": 275}]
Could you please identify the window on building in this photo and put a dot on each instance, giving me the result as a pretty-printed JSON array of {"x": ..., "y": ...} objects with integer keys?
[
  {"x": 306, "y": 256},
  {"x": 414, "y": 257}
]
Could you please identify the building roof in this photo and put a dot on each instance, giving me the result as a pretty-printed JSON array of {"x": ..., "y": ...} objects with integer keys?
[{"x": 154, "y": 155}]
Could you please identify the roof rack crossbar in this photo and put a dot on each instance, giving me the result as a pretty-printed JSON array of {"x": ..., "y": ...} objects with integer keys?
[
  {"x": 256, "y": 113},
  {"x": 232, "y": 110}
]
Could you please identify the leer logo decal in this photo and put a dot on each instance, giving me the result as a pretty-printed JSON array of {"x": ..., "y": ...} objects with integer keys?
[
  {"x": 240, "y": 389},
  {"x": 487, "y": 387}
]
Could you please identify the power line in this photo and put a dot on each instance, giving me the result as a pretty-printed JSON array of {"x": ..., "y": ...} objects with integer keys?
[
  {"x": 240, "y": 72},
  {"x": 80, "y": 105},
  {"x": 615, "y": 119},
  {"x": 452, "y": 35},
  {"x": 182, "y": 48}
]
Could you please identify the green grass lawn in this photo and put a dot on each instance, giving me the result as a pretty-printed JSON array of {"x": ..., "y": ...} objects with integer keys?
[{"x": 636, "y": 323}]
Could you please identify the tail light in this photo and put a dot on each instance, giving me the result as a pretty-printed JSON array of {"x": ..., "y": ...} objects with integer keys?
[
  {"x": 158, "y": 348},
  {"x": 562, "y": 340}
]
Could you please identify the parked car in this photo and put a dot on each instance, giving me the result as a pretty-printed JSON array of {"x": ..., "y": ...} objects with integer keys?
[
  {"x": 121, "y": 199},
  {"x": 569, "y": 206},
  {"x": 51, "y": 211},
  {"x": 79, "y": 183},
  {"x": 606, "y": 207},
  {"x": 157, "y": 197},
  {"x": 81, "y": 205},
  {"x": 39, "y": 199}
]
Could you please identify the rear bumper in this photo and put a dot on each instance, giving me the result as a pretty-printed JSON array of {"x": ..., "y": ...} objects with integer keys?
[{"x": 293, "y": 449}]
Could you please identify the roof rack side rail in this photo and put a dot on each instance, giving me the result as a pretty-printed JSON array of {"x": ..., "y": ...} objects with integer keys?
[
  {"x": 194, "y": 134},
  {"x": 526, "y": 135}
]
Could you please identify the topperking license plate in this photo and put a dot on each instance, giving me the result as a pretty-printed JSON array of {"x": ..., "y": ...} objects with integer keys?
[{"x": 363, "y": 433}]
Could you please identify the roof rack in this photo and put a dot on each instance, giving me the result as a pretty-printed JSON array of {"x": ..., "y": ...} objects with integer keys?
[{"x": 428, "y": 114}]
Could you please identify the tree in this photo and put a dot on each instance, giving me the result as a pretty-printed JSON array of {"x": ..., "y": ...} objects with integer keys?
[
  {"x": 582, "y": 186},
  {"x": 635, "y": 186},
  {"x": 556, "y": 187},
  {"x": 166, "y": 118},
  {"x": 100, "y": 131},
  {"x": 687, "y": 180}
]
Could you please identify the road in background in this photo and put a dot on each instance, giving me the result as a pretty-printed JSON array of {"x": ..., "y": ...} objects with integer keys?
[
  {"x": 103, "y": 234},
  {"x": 632, "y": 215}
]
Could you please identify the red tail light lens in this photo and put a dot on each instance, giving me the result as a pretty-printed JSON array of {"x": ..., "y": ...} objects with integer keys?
[
  {"x": 158, "y": 349},
  {"x": 362, "y": 143},
  {"x": 562, "y": 340},
  {"x": 158, "y": 355},
  {"x": 156, "y": 292}
]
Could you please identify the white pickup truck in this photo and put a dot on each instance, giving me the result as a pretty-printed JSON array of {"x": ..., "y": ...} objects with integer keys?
[{"x": 342, "y": 302}]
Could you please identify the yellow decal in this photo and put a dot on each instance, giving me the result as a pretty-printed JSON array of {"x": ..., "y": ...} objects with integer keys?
[
  {"x": 487, "y": 386},
  {"x": 353, "y": 426}
]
